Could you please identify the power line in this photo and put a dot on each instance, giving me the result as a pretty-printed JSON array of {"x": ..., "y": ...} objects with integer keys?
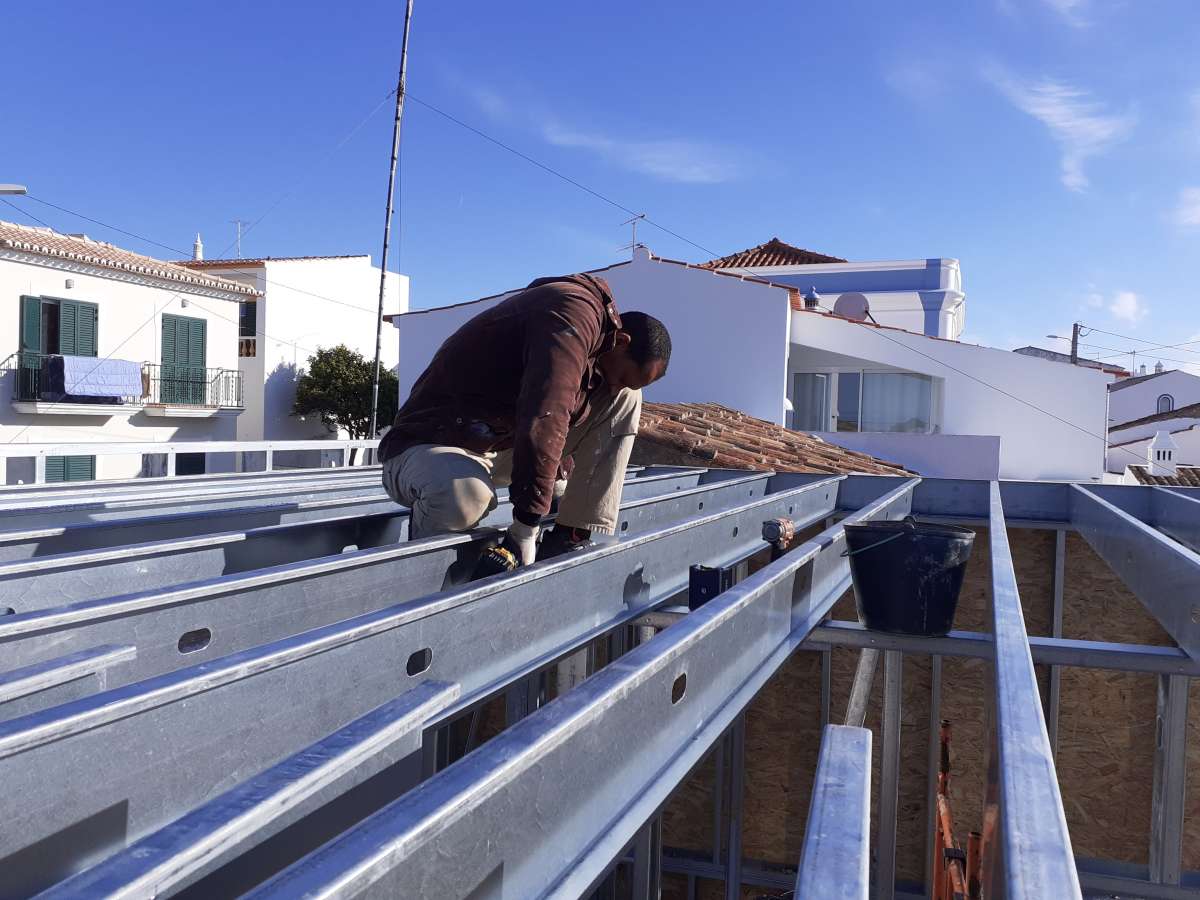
[
  {"x": 1149, "y": 350},
  {"x": 27, "y": 215}
]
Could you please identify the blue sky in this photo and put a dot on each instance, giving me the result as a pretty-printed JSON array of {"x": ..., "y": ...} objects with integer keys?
[{"x": 1053, "y": 146}]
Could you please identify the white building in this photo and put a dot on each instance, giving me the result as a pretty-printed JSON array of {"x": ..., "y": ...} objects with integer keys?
[
  {"x": 937, "y": 406},
  {"x": 303, "y": 304},
  {"x": 920, "y": 295},
  {"x": 107, "y": 345},
  {"x": 1161, "y": 391}
]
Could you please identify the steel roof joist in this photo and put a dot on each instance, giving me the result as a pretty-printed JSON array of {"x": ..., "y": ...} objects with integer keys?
[{"x": 237, "y": 715}]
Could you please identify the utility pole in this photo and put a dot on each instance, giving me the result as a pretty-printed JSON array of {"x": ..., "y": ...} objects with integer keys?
[
  {"x": 238, "y": 223},
  {"x": 1075, "y": 343},
  {"x": 387, "y": 219}
]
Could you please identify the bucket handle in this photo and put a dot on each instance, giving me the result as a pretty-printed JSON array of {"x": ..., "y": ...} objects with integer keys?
[{"x": 910, "y": 526}]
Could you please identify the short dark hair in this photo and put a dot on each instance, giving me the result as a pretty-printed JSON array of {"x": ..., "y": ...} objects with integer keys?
[{"x": 648, "y": 338}]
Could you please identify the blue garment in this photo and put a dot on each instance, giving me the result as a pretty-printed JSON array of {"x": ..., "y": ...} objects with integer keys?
[{"x": 88, "y": 376}]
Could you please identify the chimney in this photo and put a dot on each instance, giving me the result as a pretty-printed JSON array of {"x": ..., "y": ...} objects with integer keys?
[
  {"x": 812, "y": 299},
  {"x": 1142, "y": 369},
  {"x": 1160, "y": 455},
  {"x": 198, "y": 248},
  {"x": 1158, "y": 367}
]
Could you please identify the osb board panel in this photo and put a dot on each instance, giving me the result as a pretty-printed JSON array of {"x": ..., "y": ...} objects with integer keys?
[
  {"x": 1106, "y": 727},
  {"x": 687, "y": 818},
  {"x": 783, "y": 733},
  {"x": 1191, "y": 822}
]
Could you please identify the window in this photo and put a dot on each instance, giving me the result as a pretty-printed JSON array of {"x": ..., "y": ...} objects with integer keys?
[
  {"x": 849, "y": 387},
  {"x": 53, "y": 327},
  {"x": 810, "y": 402},
  {"x": 1166, "y": 403},
  {"x": 248, "y": 318},
  {"x": 183, "y": 378},
  {"x": 70, "y": 468},
  {"x": 897, "y": 401}
]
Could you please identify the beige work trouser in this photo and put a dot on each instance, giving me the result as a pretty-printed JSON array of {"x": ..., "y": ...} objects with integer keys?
[{"x": 452, "y": 489}]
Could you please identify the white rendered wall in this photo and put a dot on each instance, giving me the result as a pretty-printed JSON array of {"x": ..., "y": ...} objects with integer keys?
[
  {"x": 976, "y": 383},
  {"x": 930, "y": 455},
  {"x": 1141, "y": 399},
  {"x": 129, "y": 326},
  {"x": 308, "y": 304},
  {"x": 729, "y": 336},
  {"x": 921, "y": 295}
]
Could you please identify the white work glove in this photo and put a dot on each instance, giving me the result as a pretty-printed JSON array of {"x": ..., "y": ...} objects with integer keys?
[{"x": 521, "y": 539}]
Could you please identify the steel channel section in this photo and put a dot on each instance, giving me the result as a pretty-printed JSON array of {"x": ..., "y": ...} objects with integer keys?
[
  {"x": 860, "y": 688},
  {"x": 595, "y": 765},
  {"x": 737, "y": 798},
  {"x": 46, "y": 581},
  {"x": 250, "y": 608},
  {"x": 1161, "y": 572},
  {"x": 178, "y": 855},
  {"x": 1170, "y": 777},
  {"x": 39, "y": 677},
  {"x": 261, "y": 704},
  {"x": 34, "y": 521},
  {"x": 835, "y": 861},
  {"x": 95, "y": 535},
  {"x": 1037, "y": 857},
  {"x": 889, "y": 775},
  {"x": 931, "y": 766},
  {"x": 1056, "y": 629},
  {"x": 1177, "y": 515}
]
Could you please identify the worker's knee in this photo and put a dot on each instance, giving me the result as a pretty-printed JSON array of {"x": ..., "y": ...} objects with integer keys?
[{"x": 455, "y": 504}]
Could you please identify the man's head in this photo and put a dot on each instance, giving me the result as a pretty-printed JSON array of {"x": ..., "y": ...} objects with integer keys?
[{"x": 641, "y": 354}]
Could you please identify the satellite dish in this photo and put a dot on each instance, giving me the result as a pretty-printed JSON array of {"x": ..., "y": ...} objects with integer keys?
[{"x": 853, "y": 306}]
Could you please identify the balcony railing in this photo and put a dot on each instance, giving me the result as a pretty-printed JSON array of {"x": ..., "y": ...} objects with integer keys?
[
  {"x": 174, "y": 385},
  {"x": 247, "y": 346},
  {"x": 166, "y": 385}
]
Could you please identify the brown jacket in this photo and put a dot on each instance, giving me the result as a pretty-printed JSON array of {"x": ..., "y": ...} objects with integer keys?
[{"x": 517, "y": 376}]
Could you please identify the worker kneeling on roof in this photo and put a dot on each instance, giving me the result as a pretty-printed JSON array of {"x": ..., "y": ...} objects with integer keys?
[{"x": 551, "y": 374}]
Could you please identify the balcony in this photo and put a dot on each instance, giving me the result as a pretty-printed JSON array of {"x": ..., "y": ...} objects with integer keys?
[{"x": 170, "y": 391}]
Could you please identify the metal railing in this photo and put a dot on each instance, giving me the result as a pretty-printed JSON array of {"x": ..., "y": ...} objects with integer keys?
[
  {"x": 166, "y": 384},
  {"x": 31, "y": 383},
  {"x": 175, "y": 385}
]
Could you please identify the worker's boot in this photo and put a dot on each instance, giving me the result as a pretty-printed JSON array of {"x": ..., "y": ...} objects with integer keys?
[{"x": 563, "y": 539}]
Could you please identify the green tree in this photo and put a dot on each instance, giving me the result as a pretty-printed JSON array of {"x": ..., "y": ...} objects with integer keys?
[{"x": 336, "y": 386}]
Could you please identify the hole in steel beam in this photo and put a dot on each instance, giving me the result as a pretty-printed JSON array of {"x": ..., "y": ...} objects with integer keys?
[
  {"x": 679, "y": 687},
  {"x": 624, "y": 526},
  {"x": 791, "y": 509},
  {"x": 700, "y": 505},
  {"x": 419, "y": 661},
  {"x": 735, "y": 531},
  {"x": 191, "y": 641}
]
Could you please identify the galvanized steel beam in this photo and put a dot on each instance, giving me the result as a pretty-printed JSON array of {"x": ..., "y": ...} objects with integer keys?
[
  {"x": 262, "y": 704},
  {"x": 1160, "y": 571},
  {"x": 1168, "y": 800},
  {"x": 889, "y": 775},
  {"x": 242, "y": 610},
  {"x": 244, "y": 817},
  {"x": 836, "y": 857},
  {"x": 640, "y": 726},
  {"x": 1037, "y": 860}
]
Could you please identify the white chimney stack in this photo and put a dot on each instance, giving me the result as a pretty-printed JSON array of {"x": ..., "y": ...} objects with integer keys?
[
  {"x": 198, "y": 248},
  {"x": 1142, "y": 369},
  {"x": 1160, "y": 455},
  {"x": 1158, "y": 367}
]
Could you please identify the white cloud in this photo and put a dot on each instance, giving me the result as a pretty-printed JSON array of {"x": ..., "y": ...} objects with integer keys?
[
  {"x": 1187, "y": 212},
  {"x": 493, "y": 105},
  {"x": 1128, "y": 307},
  {"x": 688, "y": 161},
  {"x": 920, "y": 80},
  {"x": 1081, "y": 126},
  {"x": 1094, "y": 300},
  {"x": 1072, "y": 11}
]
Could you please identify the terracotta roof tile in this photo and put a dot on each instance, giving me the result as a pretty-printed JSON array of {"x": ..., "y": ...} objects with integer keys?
[
  {"x": 257, "y": 261},
  {"x": 773, "y": 253},
  {"x": 1185, "y": 476},
  {"x": 46, "y": 242},
  {"x": 720, "y": 437}
]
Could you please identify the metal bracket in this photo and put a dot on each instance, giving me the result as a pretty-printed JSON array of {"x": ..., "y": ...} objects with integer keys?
[{"x": 705, "y": 582}]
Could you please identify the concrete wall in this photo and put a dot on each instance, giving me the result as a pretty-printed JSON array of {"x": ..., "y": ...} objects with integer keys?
[
  {"x": 729, "y": 336},
  {"x": 1050, "y": 418},
  {"x": 930, "y": 455},
  {"x": 129, "y": 326},
  {"x": 922, "y": 295},
  {"x": 308, "y": 304},
  {"x": 1141, "y": 399}
]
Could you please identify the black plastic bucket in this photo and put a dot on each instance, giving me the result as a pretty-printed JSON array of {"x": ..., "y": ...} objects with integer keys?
[{"x": 907, "y": 575}]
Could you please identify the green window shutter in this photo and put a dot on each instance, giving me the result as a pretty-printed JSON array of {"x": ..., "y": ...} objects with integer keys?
[
  {"x": 80, "y": 468},
  {"x": 67, "y": 319},
  {"x": 168, "y": 340},
  {"x": 56, "y": 468},
  {"x": 197, "y": 338},
  {"x": 31, "y": 324},
  {"x": 86, "y": 316}
]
